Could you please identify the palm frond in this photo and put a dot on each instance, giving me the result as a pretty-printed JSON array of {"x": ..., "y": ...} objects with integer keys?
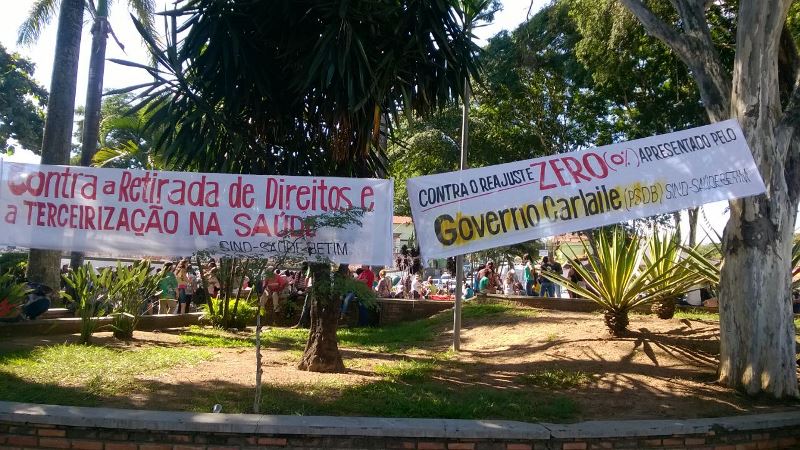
[
  {"x": 621, "y": 275},
  {"x": 40, "y": 15}
]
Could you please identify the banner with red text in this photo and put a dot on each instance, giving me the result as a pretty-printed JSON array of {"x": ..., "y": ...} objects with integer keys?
[
  {"x": 116, "y": 212},
  {"x": 461, "y": 212}
]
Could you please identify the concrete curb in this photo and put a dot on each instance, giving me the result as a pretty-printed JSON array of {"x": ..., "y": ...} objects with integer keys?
[{"x": 125, "y": 419}]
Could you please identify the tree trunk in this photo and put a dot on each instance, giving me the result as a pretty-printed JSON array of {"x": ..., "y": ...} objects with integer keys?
[
  {"x": 757, "y": 335},
  {"x": 94, "y": 96},
  {"x": 617, "y": 322},
  {"x": 676, "y": 216},
  {"x": 693, "y": 213},
  {"x": 44, "y": 265},
  {"x": 322, "y": 350}
]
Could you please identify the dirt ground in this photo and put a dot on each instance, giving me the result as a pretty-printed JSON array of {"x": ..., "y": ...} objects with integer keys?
[{"x": 663, "y": 369}]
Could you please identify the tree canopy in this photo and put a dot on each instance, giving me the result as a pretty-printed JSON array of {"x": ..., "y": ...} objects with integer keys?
[
  {"x": 22, "y": 102},
  {"x": 299, "y": 87}
]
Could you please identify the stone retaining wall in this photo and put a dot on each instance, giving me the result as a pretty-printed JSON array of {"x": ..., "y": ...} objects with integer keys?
[
  {"x": 29, "y": 426},
  {"x": 70, "y": 325}
]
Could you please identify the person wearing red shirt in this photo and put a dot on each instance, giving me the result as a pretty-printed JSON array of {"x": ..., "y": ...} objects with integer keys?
[
  {"x": 275, "y": 285},
  {"x": 367, "y": 276}
]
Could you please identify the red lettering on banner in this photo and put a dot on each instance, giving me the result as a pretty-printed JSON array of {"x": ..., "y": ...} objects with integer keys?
[
  {"x": 54, "y": 184},
  {"x": 592, "y": 166},
  {"x": 240, "y": 195},
  {"x": 199, "y": 225},
  {"x": 317, "y": 197},
  {"x": 367, "y": 193}
]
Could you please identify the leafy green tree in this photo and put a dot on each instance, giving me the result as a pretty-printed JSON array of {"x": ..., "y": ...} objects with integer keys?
[
  {"x": 300, "y": 88},
  {"x": 125, "y": 142},
  {"x": 759, "y": 87},
  {"x": 22, "y": 102}
]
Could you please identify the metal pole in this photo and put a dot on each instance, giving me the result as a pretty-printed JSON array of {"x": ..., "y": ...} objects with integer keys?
[{"x": 460, "y": 258}]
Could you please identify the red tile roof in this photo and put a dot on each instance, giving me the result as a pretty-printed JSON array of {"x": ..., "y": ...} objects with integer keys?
[{"x": 401, "y": 220}]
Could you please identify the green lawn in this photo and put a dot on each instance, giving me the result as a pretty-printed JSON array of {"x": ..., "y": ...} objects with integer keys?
[
  {"x": 84, "y": 375},
  {"x": 406, "y": 386},
  {"x": 701, "y": 314},
  {"x": 696, "y": 314},
  {"x": 388, "y": 339}
]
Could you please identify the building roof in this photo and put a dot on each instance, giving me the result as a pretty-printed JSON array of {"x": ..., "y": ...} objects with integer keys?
[
  {"x": 569, "y": 238},
  {"x": 402, "y": 220}
]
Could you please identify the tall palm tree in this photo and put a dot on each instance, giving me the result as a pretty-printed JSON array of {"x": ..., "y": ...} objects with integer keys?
[
  {"x": 94, "y": 91},
  {"x": 43, "y": 265},
  {"x": 299, "y": 87},
  {"x": 40, "y": 15}
]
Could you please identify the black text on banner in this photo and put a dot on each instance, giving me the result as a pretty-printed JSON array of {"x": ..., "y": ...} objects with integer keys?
[{"x": 471, "y": 210}]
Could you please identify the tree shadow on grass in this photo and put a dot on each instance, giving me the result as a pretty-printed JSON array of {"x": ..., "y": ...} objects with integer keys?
[
  {"x": 16, "y": 389},
  {"x": 384, "y": 398}
]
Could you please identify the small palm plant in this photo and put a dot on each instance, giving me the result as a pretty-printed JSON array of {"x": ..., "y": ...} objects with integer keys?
[
  {"x": 87, "y": 290},
  {"x": 12, "y": 295},
  {"x": 615, "y": 279},
  {"x": 707, "y": 268},
  {"x": 669, "y": 266},
  {"x": 131, "y": 288}
]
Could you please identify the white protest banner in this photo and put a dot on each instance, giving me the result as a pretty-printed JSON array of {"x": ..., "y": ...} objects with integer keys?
[
  {"x": 115, "y": 212},
  {"x": 461, "y": 212}
]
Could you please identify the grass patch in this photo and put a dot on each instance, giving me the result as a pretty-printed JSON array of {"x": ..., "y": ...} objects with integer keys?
[
  {"x": 77, "y": 374},
  {"x": 426, "y": 399},
  {"x": 555, "y": 379},
  {"x": 406, "y": 370},
  {"x": 696, "y": 314},
  {"x": 404, "y": 335},
  {"x": 387, "y": 339},
  {"x": 288, "y": 338}
]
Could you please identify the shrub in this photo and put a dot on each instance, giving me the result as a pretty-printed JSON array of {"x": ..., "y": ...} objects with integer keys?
[
  {"x": 15, "y": 264},
  {"x": 238, "y": 316},
  {"x": 12, "y": 295},
  {"x": 129, "y": 291},
  {"x": 87, "y": 293},
  {"x": 616, "y": 281}
]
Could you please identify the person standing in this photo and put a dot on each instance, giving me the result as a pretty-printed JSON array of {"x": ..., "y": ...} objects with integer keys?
[
  {"x": 547, "y": 287},
  {"x": 212, "y": 281},
  {"x": 384, "y": 285},
  {"x": 529, "y": 275},
  {"x": 557, "y": 269},
  {"x": 168, "y": 285},
  {"x": 182, "y": 277},
  {"x": 575, "y": 277}
]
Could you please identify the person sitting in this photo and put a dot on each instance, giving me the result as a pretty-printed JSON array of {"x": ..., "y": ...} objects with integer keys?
[
  {"x": 274, "y": 286},
  {"x": 508, "y": 284},
  {"x": 429, "y": 287},
  {"x": 485, "y": 285},
  {"x": 468, "y": 291},
  {"x": 38, "y": 301}
]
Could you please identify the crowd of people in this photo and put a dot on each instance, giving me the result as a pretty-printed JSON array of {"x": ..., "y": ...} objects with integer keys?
[
  {"x": 183, "y": 287},
  {"x": 532, "y": 283}
]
